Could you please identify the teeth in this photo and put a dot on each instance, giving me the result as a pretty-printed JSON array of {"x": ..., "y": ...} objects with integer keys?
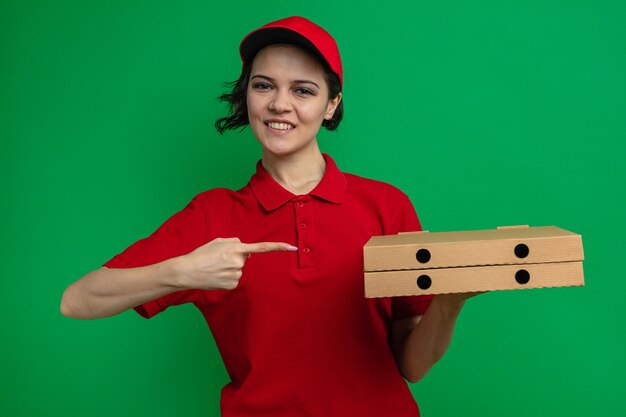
[{"x": 280, "y": 126}]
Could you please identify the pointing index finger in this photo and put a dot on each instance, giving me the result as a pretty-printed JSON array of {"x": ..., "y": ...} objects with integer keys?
[{"x": 262, "y": 247}]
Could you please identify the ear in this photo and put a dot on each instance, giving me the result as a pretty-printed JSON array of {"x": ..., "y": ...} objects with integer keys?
[{"x": 332, "y": 106}]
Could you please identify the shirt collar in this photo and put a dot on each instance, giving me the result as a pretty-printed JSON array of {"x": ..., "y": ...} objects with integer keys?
[{"x": 271, "y": 195}]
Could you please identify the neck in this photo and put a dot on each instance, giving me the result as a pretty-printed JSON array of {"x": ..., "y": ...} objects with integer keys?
[{"x": 298, "y": 173}]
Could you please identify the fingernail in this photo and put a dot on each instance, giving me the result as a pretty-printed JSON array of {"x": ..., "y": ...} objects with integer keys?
[{"x": 292, "y": 248}]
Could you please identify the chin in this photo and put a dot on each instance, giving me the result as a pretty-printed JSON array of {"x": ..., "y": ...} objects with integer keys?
[
  {"x": 277, "y": 146},
  {"x": 279, "y": 151}
]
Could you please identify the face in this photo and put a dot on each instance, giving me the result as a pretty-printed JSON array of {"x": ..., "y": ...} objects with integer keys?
[{"x": 287, "y": 100}]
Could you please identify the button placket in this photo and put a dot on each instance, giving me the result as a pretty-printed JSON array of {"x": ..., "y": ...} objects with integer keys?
[{"x": 302, "y": 219}]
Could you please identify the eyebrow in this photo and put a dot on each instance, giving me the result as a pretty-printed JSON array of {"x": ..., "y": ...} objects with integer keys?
[{"x": 295, "y": 81}]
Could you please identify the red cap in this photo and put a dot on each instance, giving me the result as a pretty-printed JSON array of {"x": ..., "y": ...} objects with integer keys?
[{"x": 294, "y": 30}]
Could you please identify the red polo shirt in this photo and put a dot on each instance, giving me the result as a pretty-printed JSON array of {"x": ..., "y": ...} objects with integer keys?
[{"x": 297, "y": 336}]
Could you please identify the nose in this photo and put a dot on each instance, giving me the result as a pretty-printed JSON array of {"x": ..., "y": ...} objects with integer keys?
[{"x": 280, "y": 102}]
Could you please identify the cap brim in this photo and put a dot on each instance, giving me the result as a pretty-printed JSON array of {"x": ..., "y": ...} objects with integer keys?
[{"x": 258, "y": 40}]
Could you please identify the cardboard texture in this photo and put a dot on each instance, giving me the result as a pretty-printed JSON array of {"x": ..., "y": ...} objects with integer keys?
[{"x": 506, "y": 258}]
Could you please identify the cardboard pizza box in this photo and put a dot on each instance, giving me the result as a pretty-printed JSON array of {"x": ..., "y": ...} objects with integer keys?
[{"x": 505, "y": 258}]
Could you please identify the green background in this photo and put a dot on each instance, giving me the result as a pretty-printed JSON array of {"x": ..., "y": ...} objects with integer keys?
[{"x": 484, "y": 113}]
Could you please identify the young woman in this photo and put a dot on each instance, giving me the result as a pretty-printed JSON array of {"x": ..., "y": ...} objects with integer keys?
[{"x": 276, "y": 267}]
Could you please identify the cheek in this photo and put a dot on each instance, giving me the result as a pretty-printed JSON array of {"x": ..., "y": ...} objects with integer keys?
[
  {"x": 253, "y": 107},
  {"x": 249, "y": 102},
  {"x": 314, "y": 113}
]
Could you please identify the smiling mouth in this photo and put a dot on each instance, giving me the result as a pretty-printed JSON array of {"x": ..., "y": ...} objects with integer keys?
[{"x": 280, "y": 126}]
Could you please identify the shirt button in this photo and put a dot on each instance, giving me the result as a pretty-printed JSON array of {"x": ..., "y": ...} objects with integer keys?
[
  {"x": 303, "y": 225},
  {"x": 307, "y": 250},
  {"x": 299, "y": 204}
]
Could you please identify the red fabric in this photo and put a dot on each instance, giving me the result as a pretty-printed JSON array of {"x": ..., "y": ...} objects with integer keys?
[{"x": 297, "y": 335}]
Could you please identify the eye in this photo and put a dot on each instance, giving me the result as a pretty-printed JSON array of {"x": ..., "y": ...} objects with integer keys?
[
  {"x": 261, "y": 86},
  {"x": 302, "y": 91}
]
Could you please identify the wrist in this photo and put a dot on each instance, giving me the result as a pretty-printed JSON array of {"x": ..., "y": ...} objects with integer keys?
[
  {"x": 174, "y": 273},
  {"x": 448, "y": 305}
]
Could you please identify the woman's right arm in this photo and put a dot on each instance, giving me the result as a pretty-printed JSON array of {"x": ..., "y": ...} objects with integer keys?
[{"x": 106, "y": 292}]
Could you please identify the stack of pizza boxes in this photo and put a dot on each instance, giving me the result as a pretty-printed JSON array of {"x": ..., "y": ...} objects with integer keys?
[{"x": 505, "y": 258}]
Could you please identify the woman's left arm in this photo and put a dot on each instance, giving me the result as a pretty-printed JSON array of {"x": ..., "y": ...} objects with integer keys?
[{"x": 419, "y": 342}]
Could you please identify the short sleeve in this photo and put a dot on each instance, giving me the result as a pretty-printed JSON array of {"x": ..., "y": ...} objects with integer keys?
[
  {"x": 179, "y": 235},
  {"x": 405, "y": 307}
]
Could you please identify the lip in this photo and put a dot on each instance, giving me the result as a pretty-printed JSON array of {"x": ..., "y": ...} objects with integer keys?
[{"x": 279, "y": 131}]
